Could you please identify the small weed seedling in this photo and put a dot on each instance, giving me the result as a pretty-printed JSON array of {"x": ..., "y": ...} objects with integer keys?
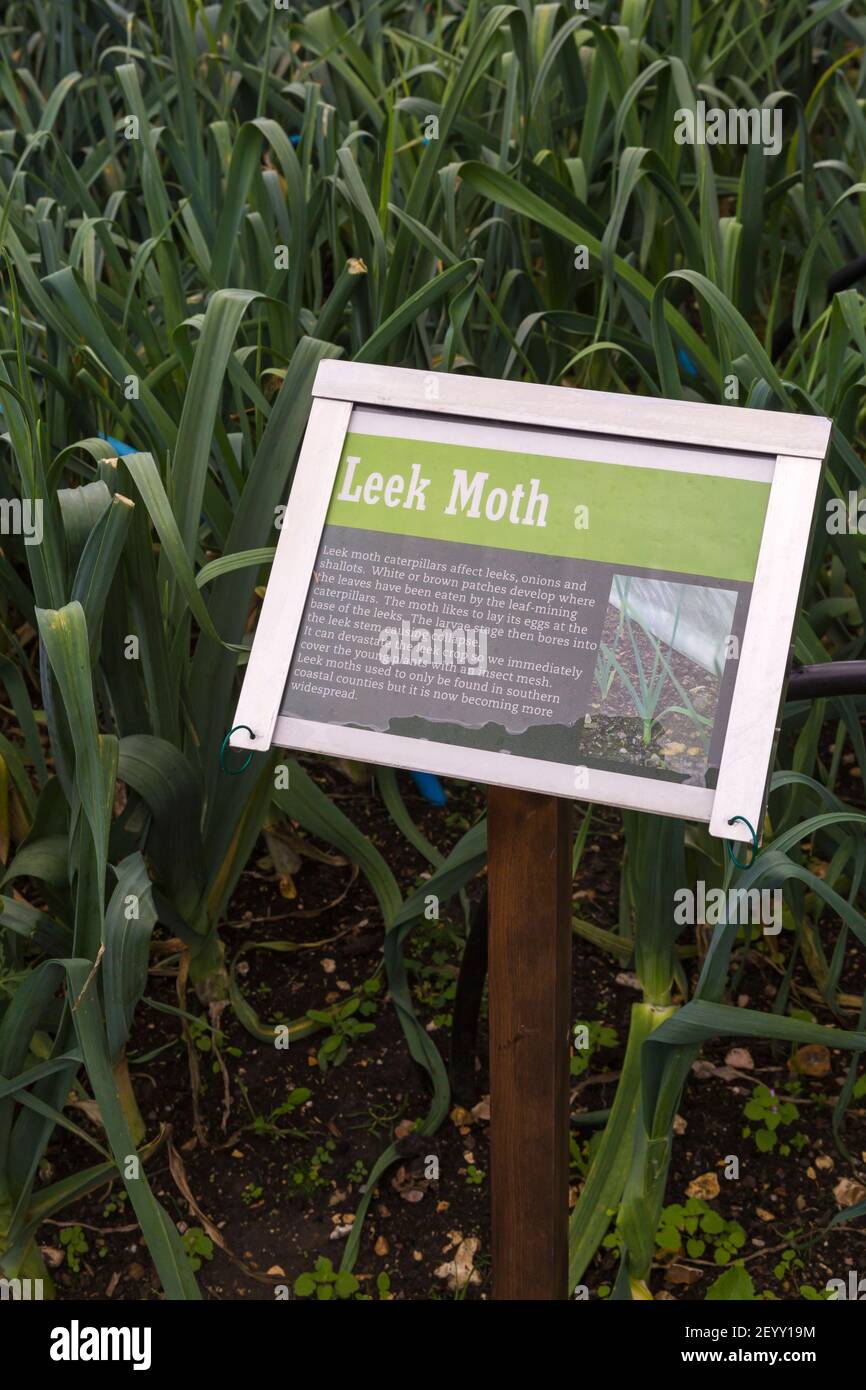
[
  {"x": 268, "y": 1124},
  {"x": 324, "y": 1283},
  {"x": 344, "y": 1027},
  {"x": 74, "y": 1242},
  {"x": 357, "y": 1174},
  {"x": 198, "y": 1247},
  {"x": 786, "y": 1272},
  {"x": 693, "y": 1229},
  {"x": 116, "y": 1203},
  {"x": 770, "y": 1113},
  {"x": 205, "y": 1038},
  {"x": 597, "y": 1035},
  {"x": 305, "y": 1178}
]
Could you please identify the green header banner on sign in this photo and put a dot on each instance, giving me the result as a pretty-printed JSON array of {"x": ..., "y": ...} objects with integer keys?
[{"x": 651, "y": 518}]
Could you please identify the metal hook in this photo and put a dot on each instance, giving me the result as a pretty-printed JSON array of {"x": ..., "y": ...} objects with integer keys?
[
  {"x": 237, "y": 771},
  {"x": 755, "y": 850}
]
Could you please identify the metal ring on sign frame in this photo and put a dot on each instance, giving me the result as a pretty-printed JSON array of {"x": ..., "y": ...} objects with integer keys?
[
  {"x": 755, "y": 850},
  {"x": 236, "y": 772}
]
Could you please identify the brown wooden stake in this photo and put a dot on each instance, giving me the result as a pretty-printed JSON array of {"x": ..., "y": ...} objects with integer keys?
[{"x": 529, "y": 970}]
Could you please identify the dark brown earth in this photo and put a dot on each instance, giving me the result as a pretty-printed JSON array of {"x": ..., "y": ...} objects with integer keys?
[{"x": 244, "y": 1182}]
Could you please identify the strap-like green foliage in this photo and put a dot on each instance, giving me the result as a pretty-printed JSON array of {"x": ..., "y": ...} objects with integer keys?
[{"x": 196, "y": 208}]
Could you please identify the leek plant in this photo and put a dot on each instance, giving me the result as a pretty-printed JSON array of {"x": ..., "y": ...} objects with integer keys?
[
  {"x": 605, "y": 671},
  {"x": 647, "y": 688},
  {"x": 701, "y": 723}
]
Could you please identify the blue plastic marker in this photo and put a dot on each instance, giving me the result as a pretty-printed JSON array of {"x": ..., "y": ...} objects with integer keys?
[
  {"x": 687, "y": 362},
  {"x": 430, "y": 787},
  {"x": 116, "y": 444}
]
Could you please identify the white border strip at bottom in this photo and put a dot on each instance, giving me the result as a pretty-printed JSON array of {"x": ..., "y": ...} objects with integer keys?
[{"x": 500, "y": 769}]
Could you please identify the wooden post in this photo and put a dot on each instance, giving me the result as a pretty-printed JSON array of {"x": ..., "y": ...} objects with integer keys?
[{"x": 529, "y": 878}]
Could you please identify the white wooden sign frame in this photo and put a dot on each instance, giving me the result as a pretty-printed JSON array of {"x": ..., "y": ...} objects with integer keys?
[{"x": 796, "y": 444}]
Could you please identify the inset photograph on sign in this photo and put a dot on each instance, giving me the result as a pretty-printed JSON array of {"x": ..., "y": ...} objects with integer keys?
[
  {"x": 540, "y": 593},
  {"x": 661, "y": 697}
]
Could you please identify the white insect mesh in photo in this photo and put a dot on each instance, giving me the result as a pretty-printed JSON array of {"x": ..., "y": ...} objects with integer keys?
[{"x": 694, "y": 620}]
